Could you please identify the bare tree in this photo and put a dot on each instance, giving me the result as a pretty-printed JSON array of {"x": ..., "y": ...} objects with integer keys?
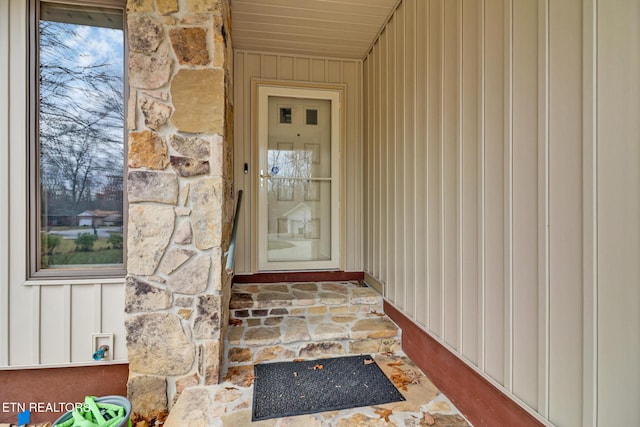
[{"x": 81, "y": 116}]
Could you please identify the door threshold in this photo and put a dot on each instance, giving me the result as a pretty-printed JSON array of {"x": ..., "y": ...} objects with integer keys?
[{"x": 299, "y": 276}]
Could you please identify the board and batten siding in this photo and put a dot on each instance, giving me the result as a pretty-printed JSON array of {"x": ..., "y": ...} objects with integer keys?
[
  {"x": 41, "y": 325},
  {"x": 502, "y": 193},
  {"x": 249, "y": 65}
]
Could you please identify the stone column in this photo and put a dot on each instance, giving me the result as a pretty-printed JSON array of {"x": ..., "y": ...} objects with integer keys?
[{"x": 180, "y": 196}]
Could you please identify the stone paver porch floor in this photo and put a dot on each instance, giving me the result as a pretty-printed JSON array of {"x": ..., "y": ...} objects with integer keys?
[
  {"x": 229, "y": 405},
  {"x": 285, "y": 321}
]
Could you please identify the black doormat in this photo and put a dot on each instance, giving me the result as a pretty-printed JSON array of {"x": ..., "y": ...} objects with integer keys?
[{"x": 285, "y": 389}]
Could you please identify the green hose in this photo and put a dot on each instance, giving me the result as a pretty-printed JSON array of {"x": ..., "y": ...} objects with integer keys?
[{"x": 95, "y": 414}]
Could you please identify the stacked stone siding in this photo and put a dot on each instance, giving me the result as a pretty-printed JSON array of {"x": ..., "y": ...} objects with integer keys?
[{"x": 180, "y": 197}]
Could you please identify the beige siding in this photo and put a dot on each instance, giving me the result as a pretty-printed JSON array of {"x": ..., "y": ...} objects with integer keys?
[
  {"x": 248, "y": 65},
  {"x": 40, "y": 324},
  {"x": 4, "y": 181},
  {"x": 618, "y": 211},
  {"x": 502, "y": 193},
  {"x": 524, "y": 208}
]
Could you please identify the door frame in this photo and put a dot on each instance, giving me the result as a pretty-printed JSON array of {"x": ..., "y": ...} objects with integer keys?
[{"x": 261, "y": 90}]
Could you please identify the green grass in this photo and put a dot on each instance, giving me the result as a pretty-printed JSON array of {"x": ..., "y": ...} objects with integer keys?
[
  {"x": 104, "y": 256},
  {"x": 66, "y": 254}
]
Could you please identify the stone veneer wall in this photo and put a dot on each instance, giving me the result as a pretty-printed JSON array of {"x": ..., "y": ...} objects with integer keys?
[{"x": 180, "y": 197}]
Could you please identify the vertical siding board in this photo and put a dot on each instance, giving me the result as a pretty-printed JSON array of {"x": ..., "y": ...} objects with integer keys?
[
  {"x": 333, "y": 72},
  {"x": 469, "y": 171},
  {"x": 450, "y": 172},
  {"x": 565, "y": 204},
  {"x": 618, "y": 212},
  {"x": 369, "y": 134},
  {"x": 367, "y": 190},
  {"x": 374, "y": 175},
  {"x": 427, "y": 171},
  {"x": 240, "y": 180},
  {"x": 482, "y": 276},
  {"x": 381, "y": 167},
  {"x": 391, "y": 159},
  {"x": 302, "y": 69},
  {"x": 358, "y": 241},
  {"x": 399, "y": 149},
  {"x": 459, "y": 132},
  {"x": 434, "y": 166},
  {"x": 371, "y": 183},
  {"x": 525, "y": 206},
  {"x": 590, "y": 404},
  {"x": 37, "y": 329},
  {"x": 66, "y": 341},
  {"x": 508, "y": 194},
  {"x": 420, "y": 160},
  {"x": 5, "y": 38},
  {"x": 97, "y": 307},
  {"x": 409, "y": 158},
  {"x": 112, "y": 296},
  {"x": 318, "y": 70},
  {"x": 268, "y": 66},
  {"x": 82, "y": 308},
  {"x": 23, "y": 301},
  {"x": 376, "y": 170},
  {"x": 383, "y": 120},
  {"x": 543, "y": 208},
  {"x": 494, "y": 190},
  {"x": 53, "y": 330},
  {"x": 351, "y": 180},
  {"x": 252, "y": 69},
  {"x": 286, "y": 68}
]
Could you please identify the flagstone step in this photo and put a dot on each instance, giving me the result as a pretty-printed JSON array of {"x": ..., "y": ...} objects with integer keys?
[
  {"x": 301, "y": 299},
  {"x": 286, "y": 321}
]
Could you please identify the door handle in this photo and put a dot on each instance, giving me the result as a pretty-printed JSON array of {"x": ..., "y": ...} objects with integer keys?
[{"x": 263, "y": 176}]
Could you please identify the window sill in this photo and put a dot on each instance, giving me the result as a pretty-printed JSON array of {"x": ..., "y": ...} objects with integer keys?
[{"x": 77, "y": 281}]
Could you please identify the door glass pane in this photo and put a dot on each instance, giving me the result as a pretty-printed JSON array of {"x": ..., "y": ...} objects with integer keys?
[{"x": 299, "y": 183}]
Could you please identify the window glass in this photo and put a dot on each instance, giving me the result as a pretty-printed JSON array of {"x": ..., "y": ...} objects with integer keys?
[
  {"x": 79, "y": 146},
  {"x": 285, "y": 115}
]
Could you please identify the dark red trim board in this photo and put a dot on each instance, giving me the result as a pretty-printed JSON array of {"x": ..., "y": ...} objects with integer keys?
[
  {"x": 474, "y": 396},
  {"x": 299, "y": 276},
  {"x": 49, "y": 390}
]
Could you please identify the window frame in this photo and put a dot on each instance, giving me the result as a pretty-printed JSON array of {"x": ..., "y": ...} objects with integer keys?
[{"x": 36, "y": 274}]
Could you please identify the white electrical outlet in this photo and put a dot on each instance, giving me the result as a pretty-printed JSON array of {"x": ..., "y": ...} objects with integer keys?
[{"x": 98, "y": 340}]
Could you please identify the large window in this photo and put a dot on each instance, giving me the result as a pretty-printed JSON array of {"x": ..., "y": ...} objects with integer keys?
[{"x": 77, "y": 140}]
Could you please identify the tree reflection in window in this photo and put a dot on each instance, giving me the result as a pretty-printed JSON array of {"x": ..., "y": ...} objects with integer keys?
[{"x": 292, "y": 165}]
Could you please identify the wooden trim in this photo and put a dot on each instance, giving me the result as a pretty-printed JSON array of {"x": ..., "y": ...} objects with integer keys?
[
  {"x": 299, "y": 276},
  {"x": 479, "y": 401}
]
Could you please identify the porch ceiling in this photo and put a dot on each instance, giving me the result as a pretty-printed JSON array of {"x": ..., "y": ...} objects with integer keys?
[{"x": 333, "y": 28}]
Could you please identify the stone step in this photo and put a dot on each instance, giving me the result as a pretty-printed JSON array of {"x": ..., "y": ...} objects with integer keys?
[
  {"x": 287, "y": 321},
  {"x": 256, "y": 301}
]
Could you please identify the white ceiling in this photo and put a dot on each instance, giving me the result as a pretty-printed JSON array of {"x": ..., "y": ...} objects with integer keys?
[{"x": 332, "y": 28}]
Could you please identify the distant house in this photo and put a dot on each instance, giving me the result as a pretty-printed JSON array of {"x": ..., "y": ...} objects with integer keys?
[
  {"x": 99, "y": 217},
  {"x": 298, "y": 223}
]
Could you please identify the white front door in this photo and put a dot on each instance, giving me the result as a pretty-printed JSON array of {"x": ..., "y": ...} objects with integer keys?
[{"x": 298, "y": 179}]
